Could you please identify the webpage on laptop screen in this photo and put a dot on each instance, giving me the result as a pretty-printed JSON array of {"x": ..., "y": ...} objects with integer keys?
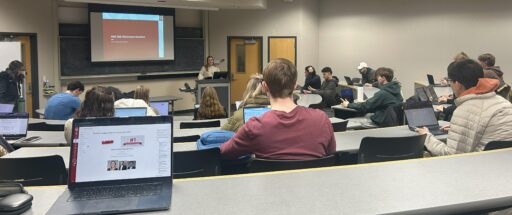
[
  {"x": 13, "y": 126},
  {"x": 121, "y": 152}
]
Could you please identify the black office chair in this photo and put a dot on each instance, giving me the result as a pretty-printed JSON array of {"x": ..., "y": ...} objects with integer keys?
[
  {"x": 34, "y": 171},
  {"x": 378, "y": 149},
  {"x": 206, "y": 124},
  {"x": 340, "y": 126},
  {"x": 199, "y": 163},
  {"x": 265, "y": 165},
  {"x": 394, "y": 116},
  {"x": 184, "y": 139},
  {"x": 43, "y": 126},
  {"x": 498, "y": 145}
]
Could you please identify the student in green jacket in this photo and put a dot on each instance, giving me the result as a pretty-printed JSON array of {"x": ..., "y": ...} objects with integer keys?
[
  {"x": 389, "y": 95},
  {"x": 253, "y": 96}
]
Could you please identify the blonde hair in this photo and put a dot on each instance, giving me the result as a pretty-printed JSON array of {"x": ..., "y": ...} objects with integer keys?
[
  {"x": 252, "y": 89},
  {"x": 210, "y": 107},
  {"x": 460, "y": 57},
  {"x": 142, "y": 93}
]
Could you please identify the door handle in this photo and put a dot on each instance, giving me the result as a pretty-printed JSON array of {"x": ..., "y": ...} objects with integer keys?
[{"x": 233, "y": 77}]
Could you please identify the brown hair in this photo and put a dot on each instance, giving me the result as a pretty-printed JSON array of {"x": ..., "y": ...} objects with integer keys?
[
  {"x": 280, "y": 75},
  {"x": 142, "y": 93},
  {"x": 206, "y": 66},
  {"x": 252, "y": 89},
  {"x": 460, "y": 56},
  {"x": 488, "y": 59},
  {"x": 385, "y": 72},
  {"x": 210, "y": 107},
  {"x": 98, "y": 102}
]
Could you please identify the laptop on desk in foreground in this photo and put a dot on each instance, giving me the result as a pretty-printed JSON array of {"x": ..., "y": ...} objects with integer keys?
[
  {"x": 420, "y": 115},
  {"x": 118, "y": 165},
  {"x": 13, "y": 126}
]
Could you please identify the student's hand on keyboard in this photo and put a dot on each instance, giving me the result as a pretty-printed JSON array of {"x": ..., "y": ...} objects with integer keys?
[
  {"x": 368, "y": 85},
  {"x": 445, "y": 128},
  {"x": 344, "y": 103},
  {"x": 438, "y": 108},
  {"x": 422, "y": 131},
  {"x": 306, "y": 92},
  {"x": 311, "y": 89},
  {"x": 442, "y": 99}
]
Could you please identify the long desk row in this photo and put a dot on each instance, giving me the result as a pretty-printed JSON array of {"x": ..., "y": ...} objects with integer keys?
[{"x": 444, "y": 185}]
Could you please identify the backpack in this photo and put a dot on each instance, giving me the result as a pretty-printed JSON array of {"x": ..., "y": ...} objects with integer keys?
[{"x": 212, "y": 139}]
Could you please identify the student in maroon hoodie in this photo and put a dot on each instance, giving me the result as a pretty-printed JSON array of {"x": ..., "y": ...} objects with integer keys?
[{"x": 288, "y": 131}]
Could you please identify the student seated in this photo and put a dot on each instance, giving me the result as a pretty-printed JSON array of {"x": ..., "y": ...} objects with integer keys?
[
  {"x": 327, "y": 89},
  {"x": 62, "y": 106},
  {"x": 389, "y": 95},
  {"x": 140, "y": 99},
  {"x": 312, "y": 79},
  {"x": 253, "y": 96},
  {"x": 288, "y": 131},
  {"x": 481, "y": 115},
  {"x": 210, "y": 107},
  {"x": 98, "y": 102}
]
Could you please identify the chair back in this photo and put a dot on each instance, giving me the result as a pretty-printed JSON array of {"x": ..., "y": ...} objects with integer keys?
[
  {"x": 205, "y": 124},
  {"x": 265, "y": 165},
  {"x": 198, "y": 163},
  {"x": 185, "y": 139},
  {"x": 34, "y": 171},
  {"x": 498, "y": 145},
  {"x": 43, "y": 126},
  {"x": 340, "y": 126},
  {"x": 378, "y": 149},
  {"x": 394, "y": 116}
]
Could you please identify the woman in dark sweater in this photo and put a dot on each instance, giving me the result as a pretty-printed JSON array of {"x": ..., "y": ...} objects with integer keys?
[{"x": 312, "y": 79}]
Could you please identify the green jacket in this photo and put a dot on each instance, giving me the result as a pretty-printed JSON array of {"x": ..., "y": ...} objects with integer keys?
[
  {"x": 237, "y": 120},
  {"x": 389, "y": 95}
]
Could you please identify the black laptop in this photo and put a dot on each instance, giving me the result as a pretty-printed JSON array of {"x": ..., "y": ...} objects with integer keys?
[
  {"x": 118, "y": 165},
  {"x": 351, "y": 83},
  {"x": 421, "y": 114},
  {"x": 13, "y": 126},
  {"x": 431, "y": 81}
]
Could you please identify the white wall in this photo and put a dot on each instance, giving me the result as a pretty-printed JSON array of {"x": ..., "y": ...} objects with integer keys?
[
  {"x": 298, "y": 18},
  {"x": 414, "y": 37}
]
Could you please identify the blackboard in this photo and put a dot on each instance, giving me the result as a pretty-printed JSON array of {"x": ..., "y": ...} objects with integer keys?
[{"x": 75, "y": 54}]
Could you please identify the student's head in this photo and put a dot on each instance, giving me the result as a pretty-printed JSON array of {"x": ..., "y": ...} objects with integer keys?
[
  {"x": 279, "y": 78},
  {"x": 210, "y": 107},
  {"x": 460, "y": 56},
  {"x": 464, "y": 75},
  {"x": 384, "y": 75},
  {"x": 98, "y": 102},
  {"x": 327, "y": 73},
  {"x": 310, "y": 70},
  {"x": 362, "y": 68},
  {"x": 252, "y": 89},
  {"x": 16, "y": 69},
  {"x": 142, "y": 93},
  {"x": 486, "y": 60},
  {"x": 75, "y": 88},
  {"x": 209, "y": 61}
]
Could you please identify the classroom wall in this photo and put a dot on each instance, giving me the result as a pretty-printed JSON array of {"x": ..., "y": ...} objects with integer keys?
[
  {"x": 298, "y": 18},
  {"x": 414, "y": 37}
]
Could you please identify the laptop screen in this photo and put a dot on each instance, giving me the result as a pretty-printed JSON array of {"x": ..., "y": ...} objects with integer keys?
[
  {"x": 161, "y": 106},
  {"x": 254, "y": 112},
  {"x": 6, "y": 108},
  {"x": 127, "y": 112},
  {"x": 420, "y": 117},
  {"x": 121, "y": 148},
  {"x": 13, "y": 124},
  {"x": 348, "y": 80}
]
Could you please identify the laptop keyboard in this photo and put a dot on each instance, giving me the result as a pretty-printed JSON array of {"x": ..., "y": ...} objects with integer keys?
[{"x": 117, "y": 191}]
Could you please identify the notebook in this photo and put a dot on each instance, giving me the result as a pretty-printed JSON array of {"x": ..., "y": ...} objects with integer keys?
[
  {"x": 161, "y": 106},
  {"x": 118, "y": 165},
  {"x": 130, "y": 111},
  {"x": 421, "y": 114},
  {"x": 254, "y": 111},
  {"x": 6, "y": 108},
  {"x": 13, "y": 125}
]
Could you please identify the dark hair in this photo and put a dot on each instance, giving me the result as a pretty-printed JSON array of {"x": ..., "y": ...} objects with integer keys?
[
  {"x": 385, "y": 72},
  {"x": 466, "y": 72},
  {"x": 98, "y": 102},
  {"x": 15, "y": 66},
  {"x": 75, "y": 85},
  {"x": 460, "y": 56},
  {"x": 488, "y": 59},
  {"x": 117, "y": 93},
  {"x": 314, "y": 70},
  {"x": 280, "y": 75},
  {"x": 327, "y": 69}
]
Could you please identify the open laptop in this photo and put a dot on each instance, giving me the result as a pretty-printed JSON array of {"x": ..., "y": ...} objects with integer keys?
[
  {"x": 431, "y": 81},
  {"x": 6, "y": 108},
  {"x": 421, "y": 114},
  {"x": 254, "y": 111},
  {"x": 350, "y": 82},
  {"x": 13, "y": 126},
  {"x": 118, "y": 165},
  {"x": 130, "y": 111},
  {"x": 220, "y": 75},
  {"x": 161, "y": 106}
]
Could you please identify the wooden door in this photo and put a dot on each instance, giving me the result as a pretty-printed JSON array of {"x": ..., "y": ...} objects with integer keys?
[
  {"x": 282, "y": 47},
  {"x": 245, "y": 59},
  {"x": 26, "y": 59}
]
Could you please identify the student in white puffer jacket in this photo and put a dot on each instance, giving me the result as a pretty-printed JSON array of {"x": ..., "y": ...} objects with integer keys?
[{"x": 481, "y": 115}]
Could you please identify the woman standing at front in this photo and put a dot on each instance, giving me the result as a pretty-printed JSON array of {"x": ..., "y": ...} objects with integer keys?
[{"x": 208, "y": 69}]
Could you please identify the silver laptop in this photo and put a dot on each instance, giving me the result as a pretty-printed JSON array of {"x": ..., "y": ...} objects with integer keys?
[
  {"x": 130, "y": 111},
  {"x": 118, "y": 165},
  {"x": 6, "y": 108},
  {"x": 13, "y": 126}
]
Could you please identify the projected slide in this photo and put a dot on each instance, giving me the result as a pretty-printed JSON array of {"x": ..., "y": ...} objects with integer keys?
[{"x": 126, "y": 37}]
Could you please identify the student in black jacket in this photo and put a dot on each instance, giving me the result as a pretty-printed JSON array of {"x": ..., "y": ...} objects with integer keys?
[
  {"x": 327, "y": 89},
  {"x": 312, "y": 79},
  {"x": 10, "y": 81}
]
